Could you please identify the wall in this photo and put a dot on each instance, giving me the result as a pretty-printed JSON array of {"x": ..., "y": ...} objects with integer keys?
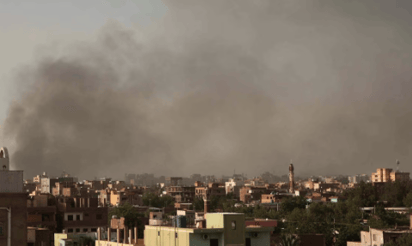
[
  {"x": 263, "y": 239},
  {"x": 197, "y": 239},
  {"x": 57, "y": 237},
  {"x": 11, "y": 181},
  {"x": 18, "y": 204},
  {"x": 167, "y": 236},
  {"x": 354, "y": 244},
  {"x": 237, "y": 235}
]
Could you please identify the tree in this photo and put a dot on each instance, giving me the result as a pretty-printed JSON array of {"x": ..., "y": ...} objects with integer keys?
[
  {"x": 131, "y": 216},
  {"x": 404, "y": 240},
  {"x": 86, "y": 241},
  {"x": 289, "y": 240},
  {"x": 290, "y": 203},
  {"x": 407, "y": 201}
]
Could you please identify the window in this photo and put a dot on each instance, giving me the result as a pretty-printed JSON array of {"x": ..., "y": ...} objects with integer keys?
[
  {"x": 248, "y": 242},
  {"x": 85, "y": 230},
  {"x": 233, "y": 225},
  {"x": 78, "y": 217},
  {"x": 70, "y": 217},
  {"x": 77, "y": 229},
  {"x": 70, "y": 230},
  {"x": 93, "y": 230},
  {"x": 99, "y": 216},
  {"x": 214, "y": 242}
]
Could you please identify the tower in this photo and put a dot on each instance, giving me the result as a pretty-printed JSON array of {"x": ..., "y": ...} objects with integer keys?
[
  {"x": 4, "y": 159},
  {"x": 291, "y": 179}
]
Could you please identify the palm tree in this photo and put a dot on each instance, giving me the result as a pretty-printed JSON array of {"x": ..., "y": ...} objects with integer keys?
[{"x": 289, "y": 240}]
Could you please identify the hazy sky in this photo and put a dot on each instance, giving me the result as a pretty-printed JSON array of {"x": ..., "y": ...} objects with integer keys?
[
  {"x": 27, "y": 27},
  {"x": 180, "y": 87}
]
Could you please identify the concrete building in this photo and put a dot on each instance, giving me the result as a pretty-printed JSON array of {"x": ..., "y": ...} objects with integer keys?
[
  {"x": 82, "y": 215},
  {"x": 212, "y": 189},
  {"x": 233, "y": 186},
  {"x": 379, "y": 236},
  {"x": 38, "y": 236},
  {"x": 13, "y": 205},
  {"x": 356, "y": 179},
  {"x": 383, "y": 175},
  {"x": 249, "y": 194},
  {"x": 41, "y": 211},
  {"x": 221, "y": 229},
  {"x": 45, "y": 183},
  {"x": 183, "y": 194}
]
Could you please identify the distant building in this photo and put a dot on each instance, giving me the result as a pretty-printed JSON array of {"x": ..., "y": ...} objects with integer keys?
[
  {"x": 233, "y": 186},
  {"x": 383, "y": 175},
  {"x": 45, "y": 184}
]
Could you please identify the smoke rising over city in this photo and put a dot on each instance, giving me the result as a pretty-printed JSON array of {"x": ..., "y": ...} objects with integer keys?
[{"x": 215, "y": 86}]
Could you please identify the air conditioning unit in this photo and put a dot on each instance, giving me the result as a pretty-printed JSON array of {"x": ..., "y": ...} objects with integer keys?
[{"x": 205, "y": 236}]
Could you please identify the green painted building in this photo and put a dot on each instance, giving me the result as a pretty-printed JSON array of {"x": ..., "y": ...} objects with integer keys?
[{"x": 222, "y": 229}]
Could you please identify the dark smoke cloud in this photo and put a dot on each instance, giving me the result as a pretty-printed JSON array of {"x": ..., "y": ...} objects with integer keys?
[{"x": 221, "y": 85}]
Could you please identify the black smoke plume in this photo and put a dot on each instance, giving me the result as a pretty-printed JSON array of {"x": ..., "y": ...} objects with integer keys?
[{"x": 220, "y": 85}]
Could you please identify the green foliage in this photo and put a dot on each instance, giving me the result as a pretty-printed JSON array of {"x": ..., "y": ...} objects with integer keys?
[
  {"x": 407, "y": 201},
  {"x": 153, "y": 200},
  {"x": 404, "y": 240},
  {"x": 131, "y": 216},
  {"x": 289, "y": 240},
  {"x": 290, "y": 203},
  {"x": 86, "y": 241}
]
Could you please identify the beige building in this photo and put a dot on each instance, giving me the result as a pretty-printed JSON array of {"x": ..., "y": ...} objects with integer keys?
[
  {"x": 378, "y": 237},
  {"x": 387, "y": 174},
  {"x": 221, "y": 229}
]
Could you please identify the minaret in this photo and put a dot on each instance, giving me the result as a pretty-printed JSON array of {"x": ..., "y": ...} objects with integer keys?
[
  {"x": 4, "y": 159},
  {"x": 291, "y": 179}
]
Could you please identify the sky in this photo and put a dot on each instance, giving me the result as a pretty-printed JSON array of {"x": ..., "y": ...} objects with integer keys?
[
  {"x": 104, "y": 88},
  {"x": 28, "y": 27}
]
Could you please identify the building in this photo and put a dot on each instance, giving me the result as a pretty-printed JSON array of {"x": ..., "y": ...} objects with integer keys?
[
  {"x": 41, "y": 211},
  {"x": 379, "y": 236},
  {"x": 248, "y": 193},
  {"x": 383, "y": 175},
  {"x": 212, "y": 189},
  {"x": 13, "y": 205},
  {"x": 221, "y": 229},
  {"x": 183, "y": 194},
  {"x": 356, "y": 179},
  {"x": 233, "y": 186},
  {"x": 82, "y": 215},
  {"x": 38, "y": 236},
  {"x": 45, "y": 184}
]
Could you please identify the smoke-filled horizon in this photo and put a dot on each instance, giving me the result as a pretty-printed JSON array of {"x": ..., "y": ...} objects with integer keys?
[{"x": 221, "y": 85}]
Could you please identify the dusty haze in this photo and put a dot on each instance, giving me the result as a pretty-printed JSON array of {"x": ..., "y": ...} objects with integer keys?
[{"x": 221, "y": 85}]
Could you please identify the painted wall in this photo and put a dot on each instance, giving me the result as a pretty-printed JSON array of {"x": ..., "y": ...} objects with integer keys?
[
  {"x": 165, "y": 236},
  {"x": 234, "y": 229},
  {"x": 57, "y": 237},
  {"x": 197, "y": 239}
]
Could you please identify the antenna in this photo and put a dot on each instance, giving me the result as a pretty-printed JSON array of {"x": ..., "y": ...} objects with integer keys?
[{"x": 397, "y": 165}]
